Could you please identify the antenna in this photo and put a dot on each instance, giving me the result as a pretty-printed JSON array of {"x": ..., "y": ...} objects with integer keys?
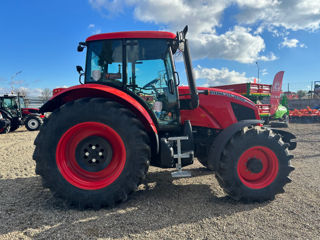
[{"x": 258, "y": 72}]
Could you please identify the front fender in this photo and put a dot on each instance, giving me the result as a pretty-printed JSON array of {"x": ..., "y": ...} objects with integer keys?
[
  {"x": 6, "y": 114},
  {"x": 102, "y": 91},
  {"x": 221, "y": 140}
]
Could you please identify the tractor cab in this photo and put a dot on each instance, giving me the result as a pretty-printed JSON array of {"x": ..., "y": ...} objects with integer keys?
[
  {"x": 141, "y": 64},
  {"x": 11, "y": 104}
]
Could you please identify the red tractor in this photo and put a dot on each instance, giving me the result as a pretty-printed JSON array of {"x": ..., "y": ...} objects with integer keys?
[
  {"x": 16, "y": 114},
  {"x": 96, "y": 146}
]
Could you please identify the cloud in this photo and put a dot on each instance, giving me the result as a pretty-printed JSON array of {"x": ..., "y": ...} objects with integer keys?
[
  {"x": 112, "y": 6},
  {"x": 204, "y": 17},
  {"x": 291, "y": 43},
  {"x": 64, "y": 86},
  {"x": 270, "y": 57},
  {"x": 289, "y": 14},
  {"x": 264, "y": 72},
  {"x": 216, "y": 77},
  {"x": 237, "y": 44},
  {"x": 97, "y": 31},
  {"x": 3, "y": 91},
  {"x": 201, "y": 16},
  {"x": 30, "y": 92},
  {"x": 94, "y": 28}
]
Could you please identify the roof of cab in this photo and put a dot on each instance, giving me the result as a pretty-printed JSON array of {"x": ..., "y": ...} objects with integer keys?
[{"x": 132, "y": 34}]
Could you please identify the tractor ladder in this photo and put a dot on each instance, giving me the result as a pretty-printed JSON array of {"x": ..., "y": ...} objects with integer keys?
[{"x": 179, "y": 173}]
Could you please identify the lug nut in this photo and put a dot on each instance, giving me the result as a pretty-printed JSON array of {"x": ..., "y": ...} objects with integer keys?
[
  {"x": 93, "y": 147},
  {"x": 87, "y": 154},
  {"x": 94, "y": 160},
  {"x": 100, "y": 153}
]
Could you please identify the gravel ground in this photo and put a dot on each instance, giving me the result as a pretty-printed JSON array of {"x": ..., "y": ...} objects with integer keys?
[{"x": 162, "y": 208}]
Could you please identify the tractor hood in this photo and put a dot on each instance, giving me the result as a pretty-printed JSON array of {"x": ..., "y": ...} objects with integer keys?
[
  {"x": 217, "y": 92},
  {"x": 218, "y": 108}
]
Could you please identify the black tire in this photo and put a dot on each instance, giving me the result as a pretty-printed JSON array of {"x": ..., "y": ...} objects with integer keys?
[
  {"x": 93, "y": 111},
  {"x": 6, "y": 129},
  {"x": 285, "y": 120},
  {"x": 238, "y": 174},
  {"x": 33, "y": 122},
  {"x": 14, "y": 127},
  {"x": 204, "y": 161}
]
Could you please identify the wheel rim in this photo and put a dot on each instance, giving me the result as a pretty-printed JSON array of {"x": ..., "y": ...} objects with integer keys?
[
  {"x": 33, "y": 124},
  {"x": 71, "y": 148},
  {"x": 258, "y": 167}
]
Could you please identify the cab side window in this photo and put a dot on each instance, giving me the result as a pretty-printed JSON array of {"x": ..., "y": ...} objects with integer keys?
[{"x": 104, "y": 62}]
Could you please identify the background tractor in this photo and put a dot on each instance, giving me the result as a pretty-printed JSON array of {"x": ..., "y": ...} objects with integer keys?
[
  {"x": 16, "y": 114},
  {"x": 97, "y": 144},
  {"x": 275, "y": 112}
]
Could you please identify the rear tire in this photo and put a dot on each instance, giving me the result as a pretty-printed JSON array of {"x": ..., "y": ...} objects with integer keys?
[
  {"x": 286, "y": 120},
  {"x": 62, "y": 162},
  {"x": 33, "y": 123},
  {"x": 255, "y": 165}
]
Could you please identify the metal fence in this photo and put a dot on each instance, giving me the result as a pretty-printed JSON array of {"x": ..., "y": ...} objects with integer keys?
[{"x": 34, "y": 102}]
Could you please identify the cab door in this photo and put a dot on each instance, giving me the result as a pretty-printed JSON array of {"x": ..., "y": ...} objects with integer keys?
[{"x": 150, "y": 76}]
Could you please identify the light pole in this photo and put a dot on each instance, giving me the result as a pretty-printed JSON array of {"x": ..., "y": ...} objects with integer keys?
[
  {"x": 258, "y": 71},
  {"x": 12, "y": 78}
]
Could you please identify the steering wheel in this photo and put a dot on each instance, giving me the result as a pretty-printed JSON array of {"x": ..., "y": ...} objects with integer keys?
[{"x": 150, "y": 85}]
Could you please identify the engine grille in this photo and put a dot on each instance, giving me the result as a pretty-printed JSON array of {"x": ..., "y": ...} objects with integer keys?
[{"x": 241, "y": 112}]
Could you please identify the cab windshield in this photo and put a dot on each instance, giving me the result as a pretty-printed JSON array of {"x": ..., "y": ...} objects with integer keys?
[{"x": 21, "y": 101}]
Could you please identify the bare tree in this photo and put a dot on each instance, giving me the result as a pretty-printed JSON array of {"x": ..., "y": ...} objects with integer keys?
[
  {"x": 46, "y": 94},
  {"x": 22, "y": 92}
]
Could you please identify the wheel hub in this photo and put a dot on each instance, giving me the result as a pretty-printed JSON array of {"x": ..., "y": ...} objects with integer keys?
[
  {"x": 32, "y": 123},
  {"x": 94, "y": 153},
  {"x": 254, "y": 165}
]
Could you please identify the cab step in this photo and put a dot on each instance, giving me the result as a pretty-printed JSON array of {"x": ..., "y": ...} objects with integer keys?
[{"x": 179, "y": 155}]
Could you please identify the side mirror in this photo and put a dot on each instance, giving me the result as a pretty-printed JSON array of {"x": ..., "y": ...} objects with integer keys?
[
  {"x": 81, "y": 46},
  {"x": 79, "y": 69}
]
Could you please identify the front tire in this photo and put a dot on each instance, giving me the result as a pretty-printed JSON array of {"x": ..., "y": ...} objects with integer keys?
[
  {"x": 33, "y": 123},
  {"x": 92, "y": 153},
  {"x": 204, "y": 161},
  {"x": 14, "y": 127},
  {"x": 6, "y": 129},
  {"x": 255, "y": 165}
]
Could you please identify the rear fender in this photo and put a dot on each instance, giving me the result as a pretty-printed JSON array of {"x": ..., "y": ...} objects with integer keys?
[
  {"x": 6, "y": 114},
  {"x": 102, "y": 91},
  {"x": 222, "y": 139}
]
